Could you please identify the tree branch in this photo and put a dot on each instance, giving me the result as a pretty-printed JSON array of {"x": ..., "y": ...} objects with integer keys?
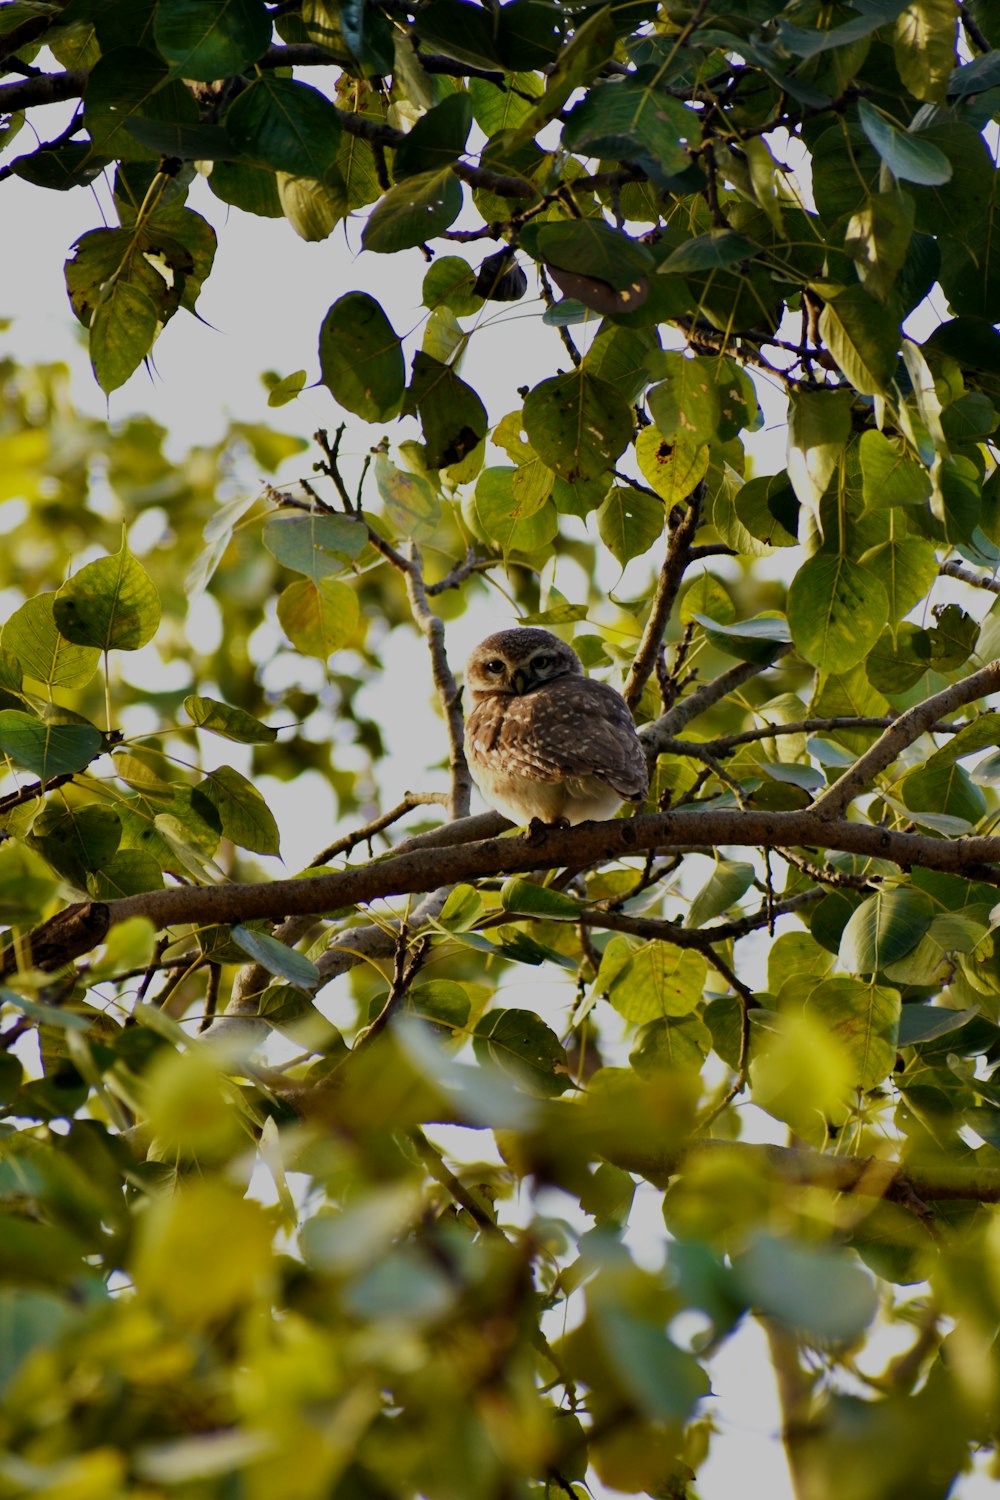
[
  {"x": 80, "y": 927},
  {"x": 669, "y": 581},
  {"x": 660, "y": 732},
  {"x": 903, "y": 732}
]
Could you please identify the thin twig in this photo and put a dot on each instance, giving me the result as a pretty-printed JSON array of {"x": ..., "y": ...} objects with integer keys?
[
  {"x": 406, "y": 966},
  {"x": 366, "y": 832},
  {"x": 667, "y": 585}
]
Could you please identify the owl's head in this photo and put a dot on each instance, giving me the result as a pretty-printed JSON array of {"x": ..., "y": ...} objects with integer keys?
[{"x": 516, "y": 661}]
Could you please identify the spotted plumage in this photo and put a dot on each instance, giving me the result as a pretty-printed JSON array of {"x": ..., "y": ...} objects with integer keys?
[{"x": 542, "y": 740}]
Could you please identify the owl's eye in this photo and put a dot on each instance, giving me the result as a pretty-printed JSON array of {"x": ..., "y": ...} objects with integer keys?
[
  {"x": 494, "y": 667},
  {"x": 541, "y": 662}
]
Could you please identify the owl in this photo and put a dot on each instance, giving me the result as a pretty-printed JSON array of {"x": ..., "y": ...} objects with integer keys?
[{"x": 543, "y": 741}]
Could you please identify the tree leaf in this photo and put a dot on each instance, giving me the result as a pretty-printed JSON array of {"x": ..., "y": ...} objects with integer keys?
[
  {"x": 230, "y": 723},
  {"x": 31, "y": 635},
  {"x": 437, "y": 139},
  {"x": 884, "y": 928},
  {"x": 211, "y": 40},
  {"x": 819, "y": 424},
  {"x": 411, "y": 503},
  {"x": 706, "y": 252},
  {"x": 863, "y": 338},
  {"x": 246, "y": 818},
  {"x": 122, "y": 331},
  {"x": 836, "y": 611},
  {"x": 653, "y": 980},
  {"x": 629, "y": 522},
  {"x": 277, "y": 958},
  {"x": 451, "y": 413},
  {"x": 312, "y": 543},
  {"x": 111, "y": 604},
  {"x": 518, "y": 1043},
  {"x": 890, "y": 476},
  {"x": 674, "y": 469},
  {"x": 285, "y": 125},
  {"x": 318, "y": 617},
  {"x": 630, "y": 119},
  {"x": 906, "y": 155},
  {"x": 361, "y": 357},
  {"x": 577, "y": 424},
  {"x": 47, "y": 749},
  {"x": 415, "y": 210}
]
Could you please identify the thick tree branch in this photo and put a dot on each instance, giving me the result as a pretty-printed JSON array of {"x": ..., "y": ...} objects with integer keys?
[
  {"x": 80, "y": 927},
  {"x": 903, "y": 732}
]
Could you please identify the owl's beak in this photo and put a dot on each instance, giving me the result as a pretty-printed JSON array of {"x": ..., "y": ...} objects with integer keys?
[{"x": 519, "y": 680}]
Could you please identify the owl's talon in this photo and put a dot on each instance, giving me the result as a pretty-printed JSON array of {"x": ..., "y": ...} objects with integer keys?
[{"x": 535, "y": 833}]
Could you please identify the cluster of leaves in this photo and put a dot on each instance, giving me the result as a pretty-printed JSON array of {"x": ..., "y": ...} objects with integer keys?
[{"x": 391, "y": 1323}]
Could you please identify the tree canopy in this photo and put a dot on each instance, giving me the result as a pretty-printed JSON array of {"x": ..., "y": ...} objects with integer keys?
[{"x": 319, "y": 1186}]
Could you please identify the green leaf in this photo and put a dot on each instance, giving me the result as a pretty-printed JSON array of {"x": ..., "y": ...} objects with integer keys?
[
  {"x": 863, "y": 338},
  {"x": 111, "y": 604},
  {"x": 629, "y": 522},
  {"x": 836, "y": 611},
  {"x": 653, "y": 980},
  {"x": 889, "y": 475},
  {"x": 229, "y": 723},
  {"x": 878, "y": 238},
  {"x": 319, "y": 617},
  {"x": 707, "y": 252},
  {"x": 943, "y": 788},
  {"x": 518, "y": 1043},
  {"x": 411, "y": 502},
  {"x": 577, "y": 423},
  {"x": 686, "y": 404},
  {"x": 449, "y": 282},
  {"x": 629, "y": 119},
  {"x": 816, "y": 1291},
  {"x": 122, "y": 331},
  {"x": 278, "y": 959},
  {"x": 864, "y": 1018},
  {"x": 189, "y": 142},
  {"x": 757, "y": 640},
  {"x": 907, "y": 568},
  {"x": 414, "y": 211},
  {"x": 513, "y": 525},
  {"x": 460, "y": 30},
  {"x": 246, "y": 818},
  {"x": 451, "y": 413},
  {"x": 31, "y": 635},
  {"x": 580, "y": 60},
  {"x": 47, "y": 749},
  {"x": 209, "y": 39},
  {"x": 312, "y": 542},
  {"x": 884, "y": 928},
  {"x": 361, "y": 358},
  {"x": 437, "y": 139},
  {"x": 121, "y": 84},
  {"x": 924, "y": 45},
  {"x": 906, "y": 155},
  {"x": 313, "y": 208},
  {"x": 592, "y": 248},
  {"x": 819, "y": 424},
  {"x": 727, "y": 883},
  {"x": 519, "y": 895},
  {"x": 674, "y": 469},
  {"x": 288, "y": 126},
  {"x": 287, "y": 389}
]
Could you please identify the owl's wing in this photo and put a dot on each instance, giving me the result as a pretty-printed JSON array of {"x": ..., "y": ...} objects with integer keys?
[{"x": 563, "y": 729}]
